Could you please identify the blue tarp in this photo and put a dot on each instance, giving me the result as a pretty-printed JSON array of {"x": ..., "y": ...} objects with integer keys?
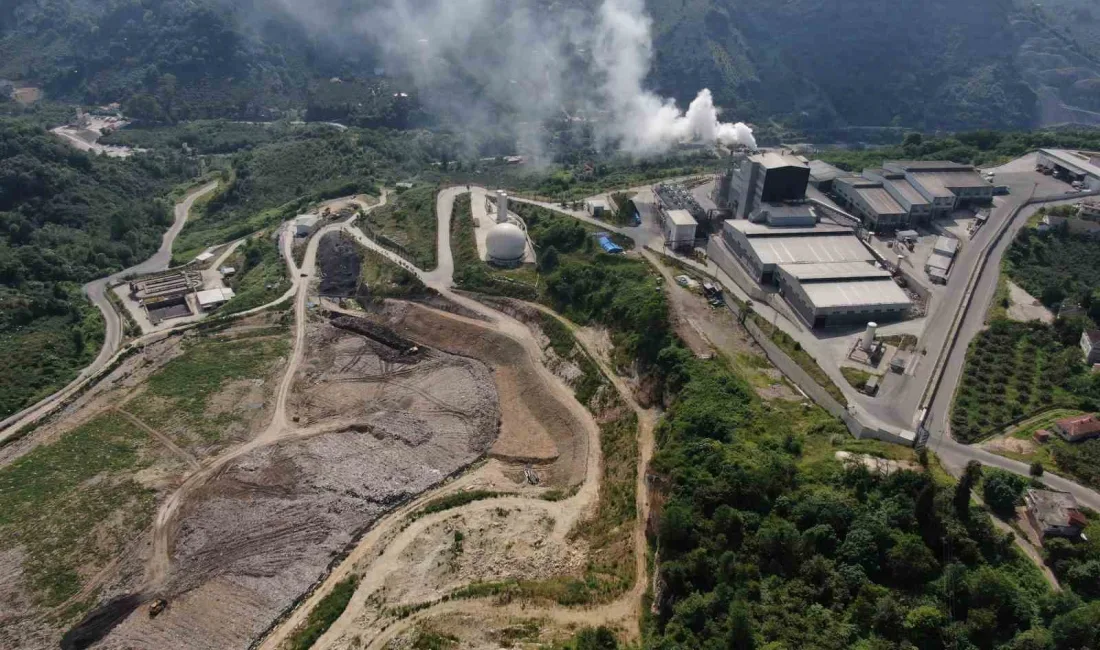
[{"x": 608, "y": 245}]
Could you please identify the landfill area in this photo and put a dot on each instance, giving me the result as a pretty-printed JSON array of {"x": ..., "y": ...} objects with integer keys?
[{"x": 379, "y": 424}]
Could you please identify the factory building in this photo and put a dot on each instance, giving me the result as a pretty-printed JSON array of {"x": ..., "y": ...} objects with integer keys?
[
  {"x": 903, "y": 194},
  {"x": 842, "y": 293},
  {"x": 822, "y": 175},
  {"x": 827, "y": 275},
  {"x": 1078, "y": 166},
  {"x": 872, "y": 203},
  {"x": 765, "y": 178},
  {"x": 679, "y": 227}
]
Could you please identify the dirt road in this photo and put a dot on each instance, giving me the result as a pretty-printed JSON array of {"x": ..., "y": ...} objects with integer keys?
[{"x": 384, "y": 547}]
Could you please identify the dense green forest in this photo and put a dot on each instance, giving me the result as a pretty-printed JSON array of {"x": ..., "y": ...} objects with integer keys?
[
  {"x": 67, "y": 217},
  {"x": 972, "y": 147},
  {"x": 928, "y": 65},
  {"x": 766, "y": 541}
]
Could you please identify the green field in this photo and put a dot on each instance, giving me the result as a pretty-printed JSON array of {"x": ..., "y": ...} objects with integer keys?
[
  {"x": 49, "y": 352},
  {"x": 261, "y": 275},
  {"x": 72, "y": 505},
  {"x": 1013, "y": 370},
  {"x": 178, "y": 398},
  {"x": 407, "y": 224}
]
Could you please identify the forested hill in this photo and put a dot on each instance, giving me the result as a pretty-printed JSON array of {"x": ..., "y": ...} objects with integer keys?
[
  {"x": 66, "y": 217},
  {"x": 806, "y": 64}
]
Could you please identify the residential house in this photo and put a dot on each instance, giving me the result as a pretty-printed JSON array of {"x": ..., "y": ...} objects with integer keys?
[
  {"x": 1077, "y": 429},
  {"x": 1054, "y": 514}
]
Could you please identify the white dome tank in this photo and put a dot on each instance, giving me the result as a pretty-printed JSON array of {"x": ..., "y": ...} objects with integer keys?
[{"x": 506, "y": 244}]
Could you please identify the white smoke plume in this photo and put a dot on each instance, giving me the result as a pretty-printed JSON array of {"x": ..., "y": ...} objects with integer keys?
[
  {"x": 523, "y": 62},
  {"x": 647, "y": 123}
]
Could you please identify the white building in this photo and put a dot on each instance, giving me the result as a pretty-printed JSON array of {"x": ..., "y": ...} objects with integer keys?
[{"x": 679, "y": 227}]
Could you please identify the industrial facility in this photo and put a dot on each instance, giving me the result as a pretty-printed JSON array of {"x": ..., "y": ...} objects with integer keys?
[
  {"x": 827, "y": 275},
  {"x": 506, "y": 241},
  {"x": 756, "y": 179},
  {"x": 903, "y": 194},
  {"x": 1081, "y": 167}
]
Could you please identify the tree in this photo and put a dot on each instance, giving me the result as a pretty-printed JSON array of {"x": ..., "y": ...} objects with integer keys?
[
  {"x": 910, "y": 562},
  {"x": 598, "y": 638},
  {"x": 740, "y": 628},
  {"x": 923, "y": 625},
  {"x": 1079, "y": 629},
  {"x": 1036, "y": 469},
  {"x": 1001, "y": 491},
  {"x": 913, "y": 140},
  {"x": 970, "y": 476},
  {"x": 548, "y": 261}
]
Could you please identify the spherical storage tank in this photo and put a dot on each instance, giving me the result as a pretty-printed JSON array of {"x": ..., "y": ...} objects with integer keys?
[{"x": 506, "y": 244}]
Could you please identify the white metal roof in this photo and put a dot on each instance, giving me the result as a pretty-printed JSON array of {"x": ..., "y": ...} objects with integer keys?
[
  {"x": 946, "y": 245},
  {"x": 834, "y": 271},
  {"x": 939, "y": 261},
  {"x": 1074, "y": 159},
  {"x": 801, "y": 250},
  {"x": 202, "y": 257},
  {"x": 882, "y": 294},
  {"x": 751, "y": 229},
  {"x": 681, "y": 218},
  {"x": 214, "y": 296}
]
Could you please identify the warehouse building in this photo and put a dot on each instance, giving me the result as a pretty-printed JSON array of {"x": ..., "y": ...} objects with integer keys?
[
  {"x": 823, "y": 175},
  {"x": 947, "y": 185},
  {"x": 764, "y": 178},
  {"x": 827, "y": 275},
  {"x": 872, "y": 203},
  {"x": 903, "y": 194},
  {"x": 1083, "y": 166},
  {"x": 842, "y": 293}
]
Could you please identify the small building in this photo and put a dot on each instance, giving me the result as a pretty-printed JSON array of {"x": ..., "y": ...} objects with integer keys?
[
  {"x": 608, "y": 246},
  {"x": 946, "y": 246},
  {"x": 598, "y": 208},
  {"x": 204, "y": 256},
  {"x": 1042, "y": 436},
  {"x": 211, "y": 299},
  {"x": 1054, "y": 514},
  {"x": 1090, "y": 345},
  {"x": 908, "y": 236},
  {"x": 679, "y": 227},
  {"x": 1078, "y": 429},
  {"x": 1089, "y": 210},
  {"x": 822, "y": 175},
  {"x": 227, "y": 271}
]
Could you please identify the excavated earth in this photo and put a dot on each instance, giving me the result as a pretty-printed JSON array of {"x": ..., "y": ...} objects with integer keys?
[{"x": 260, "y": 533}]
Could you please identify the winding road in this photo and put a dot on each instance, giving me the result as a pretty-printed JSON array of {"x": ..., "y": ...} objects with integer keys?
[{"x": 112, "y": 339}]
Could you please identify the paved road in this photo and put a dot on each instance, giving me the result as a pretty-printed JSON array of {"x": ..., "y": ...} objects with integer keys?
[{"x": 97, "y": 293}]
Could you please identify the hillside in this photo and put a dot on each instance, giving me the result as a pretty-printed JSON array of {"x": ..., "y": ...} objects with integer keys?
[
  {"x": 805, "y": 64},
  {"x": 66, "y": 218}
]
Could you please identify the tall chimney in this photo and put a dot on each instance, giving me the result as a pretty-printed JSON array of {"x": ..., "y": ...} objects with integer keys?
[
  {"x": 502, "y": 206},
  {"x": 869, "y": 337}
]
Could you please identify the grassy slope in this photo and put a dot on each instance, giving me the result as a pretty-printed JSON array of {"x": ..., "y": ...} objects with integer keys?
[
  {"x": 177, "y": 397},
  {"x": 70, "y": 505},
  {"x": 408, "y": 224}
]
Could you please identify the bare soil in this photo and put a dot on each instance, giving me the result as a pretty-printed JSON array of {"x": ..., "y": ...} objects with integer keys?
[
  {"x": 254, "y": 537},
  {"x": 534, "y": 413}
]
